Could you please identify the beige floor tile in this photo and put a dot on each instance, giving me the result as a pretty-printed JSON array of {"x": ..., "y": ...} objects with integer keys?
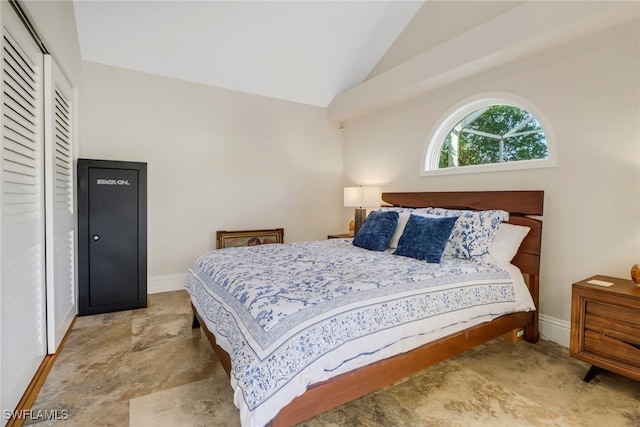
[
  {"x": 207, "y": 402},
  {"x": 450, "y": 393},
  {"x": 378, "y": 409},
  {"x": 178, "y": 362},
  {"x": 154, "y": 331}
]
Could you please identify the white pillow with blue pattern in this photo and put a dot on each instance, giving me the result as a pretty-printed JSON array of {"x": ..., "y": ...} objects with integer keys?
[{"x": 473, "y": 234}]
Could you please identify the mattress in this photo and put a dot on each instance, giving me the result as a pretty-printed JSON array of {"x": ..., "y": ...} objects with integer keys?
[{"x": 291, "y": 315}]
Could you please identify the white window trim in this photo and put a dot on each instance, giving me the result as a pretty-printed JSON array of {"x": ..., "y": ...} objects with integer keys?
[{"x": 431, "y": 152}]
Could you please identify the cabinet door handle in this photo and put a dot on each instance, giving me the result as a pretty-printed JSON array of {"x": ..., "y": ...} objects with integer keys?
[{"x": 96, "y": 237}]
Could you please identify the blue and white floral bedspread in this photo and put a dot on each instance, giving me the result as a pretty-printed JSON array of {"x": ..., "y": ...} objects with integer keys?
[{"x": 291, "y": 315}]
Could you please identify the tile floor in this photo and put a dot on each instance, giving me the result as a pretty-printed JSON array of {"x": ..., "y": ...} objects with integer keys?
[{"x": 147, "y": 367}]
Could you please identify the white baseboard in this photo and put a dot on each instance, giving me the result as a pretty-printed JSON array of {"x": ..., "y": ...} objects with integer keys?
[
  {"x": 555, "y": 330},
  {"x": 165, "y": 283}
]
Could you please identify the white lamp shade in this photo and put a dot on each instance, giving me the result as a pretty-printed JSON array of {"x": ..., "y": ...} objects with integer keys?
[{"x": 359, "y": 197}]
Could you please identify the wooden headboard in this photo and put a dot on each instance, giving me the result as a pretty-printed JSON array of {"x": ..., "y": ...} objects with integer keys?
[
  {"x": 519, "y": 204},
  {"x": 514, "y": 202}
]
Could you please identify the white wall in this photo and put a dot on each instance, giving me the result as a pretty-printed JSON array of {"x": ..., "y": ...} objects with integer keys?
[
  {"x": 589, "y": 92},
  {"x": 217, "y": 160}
]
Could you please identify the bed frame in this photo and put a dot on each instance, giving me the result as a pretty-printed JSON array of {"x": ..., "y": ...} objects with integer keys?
[{"x": 343, "y": 388}]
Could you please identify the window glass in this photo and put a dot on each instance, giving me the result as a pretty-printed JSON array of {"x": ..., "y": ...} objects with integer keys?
[{"x": 488, "y": 132}]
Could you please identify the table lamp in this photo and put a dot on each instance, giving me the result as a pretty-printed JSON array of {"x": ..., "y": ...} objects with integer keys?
[{"x": 360, "y": 198}]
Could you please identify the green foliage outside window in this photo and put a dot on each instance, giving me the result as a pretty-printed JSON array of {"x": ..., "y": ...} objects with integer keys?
[{"x": 496, "y": 134}]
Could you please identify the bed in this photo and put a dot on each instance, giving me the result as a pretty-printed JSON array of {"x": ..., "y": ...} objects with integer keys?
[{"x": 274, "y": 330}]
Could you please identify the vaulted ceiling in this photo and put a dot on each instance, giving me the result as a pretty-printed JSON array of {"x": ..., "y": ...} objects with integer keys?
[{"x": 301, "y": 51}]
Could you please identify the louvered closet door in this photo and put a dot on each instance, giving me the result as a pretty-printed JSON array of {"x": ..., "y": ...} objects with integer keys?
[
  {"x": 22, "y": 296},
  {"x": 60, "y": 230}
]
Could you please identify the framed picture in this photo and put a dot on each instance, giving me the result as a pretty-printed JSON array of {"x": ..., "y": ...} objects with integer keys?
[{"x": 231, "y": 239}]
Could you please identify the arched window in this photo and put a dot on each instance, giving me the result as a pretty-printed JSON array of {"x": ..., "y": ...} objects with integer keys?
[{"x": 489, "y": 134}]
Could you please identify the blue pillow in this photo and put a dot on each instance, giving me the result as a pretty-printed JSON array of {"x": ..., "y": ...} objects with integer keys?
[
  {"x": 425, "y": 238},
  {"x": 376, "y": 231}
]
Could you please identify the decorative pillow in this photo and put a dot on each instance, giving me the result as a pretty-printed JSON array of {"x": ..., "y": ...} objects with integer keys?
[
  {"x": 425, "y": 238},
  {"x": 402, "y": 222},
  {"x": 376, "y": 231},
  {"x": 473, "y": 233},
  {"x": 506, "y": 241}
]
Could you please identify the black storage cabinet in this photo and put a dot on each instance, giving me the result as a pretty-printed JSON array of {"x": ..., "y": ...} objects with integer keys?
[{"x": 112, "y": 236}]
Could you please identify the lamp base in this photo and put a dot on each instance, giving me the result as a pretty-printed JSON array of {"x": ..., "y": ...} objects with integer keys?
[
  {"x": 635, "y": 272},
  {"x": 361, "y": 215}
]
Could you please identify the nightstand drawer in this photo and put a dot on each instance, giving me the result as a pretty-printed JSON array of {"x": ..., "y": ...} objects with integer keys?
[
  {"x": 611, "y": 348},
  {"x": 614, "y": 312},
  {"x": 618, "y": 330}
]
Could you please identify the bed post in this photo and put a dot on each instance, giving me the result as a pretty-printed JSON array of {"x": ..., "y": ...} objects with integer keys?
[{"x": 531, "y": 332}]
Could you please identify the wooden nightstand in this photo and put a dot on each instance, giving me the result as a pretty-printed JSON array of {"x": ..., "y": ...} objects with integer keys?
[
  {"x": 340, "y": 236},
  {"x": 605, "y": 326}
]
